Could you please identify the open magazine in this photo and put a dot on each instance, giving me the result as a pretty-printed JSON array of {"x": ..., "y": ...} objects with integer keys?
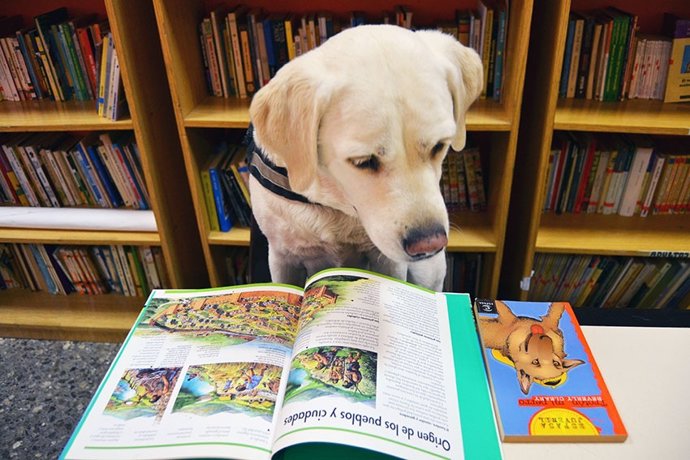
[{"x": 353, "y": 361}]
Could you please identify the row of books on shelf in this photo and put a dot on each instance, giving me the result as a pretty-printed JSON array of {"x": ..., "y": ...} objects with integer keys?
[
  {"x": 617, "y": 174},
  {"x": 244, "y": 47},
  {"x": 63, "y": 170},
  {"x": 607, "y": 58},
  {"x": 463, "y": 272},
  {"x": 225, "y": 182},
  {"x": 57, "y": 269},
  {"x": 612, "y": 281},
  {"x": 462, "y": 181},
  {"x": 61, "y": 58}
]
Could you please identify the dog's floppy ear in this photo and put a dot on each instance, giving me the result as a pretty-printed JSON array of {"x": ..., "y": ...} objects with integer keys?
[
  {"x": 465, "y": 77},
  {"x": 286, "y": 115}
]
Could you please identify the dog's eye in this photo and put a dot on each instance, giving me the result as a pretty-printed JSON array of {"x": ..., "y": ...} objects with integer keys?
[
  {"x": 556, "y": 364},
  {"x": 371, "y": 163},
  {"x": 535, "y": 362},
  {"x": 438, "y": 148}
]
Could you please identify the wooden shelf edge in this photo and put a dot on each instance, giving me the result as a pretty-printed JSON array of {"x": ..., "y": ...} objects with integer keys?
[
  {"x": 56, "y": 116},
  {"x": 631, "y": 116},
  {"x": 237, "y": 236},
  {"x": 39, "y": 315},
  {"x": 613, "y": 235},
  {"x": 59, "y": 236},
  {"x": 216, "y": 112}
]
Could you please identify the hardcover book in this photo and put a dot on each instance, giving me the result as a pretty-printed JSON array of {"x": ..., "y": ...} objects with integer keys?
[
  {"x": 678, "y": 77},
  {"x": 354, "y": 365},
  {"x": 545, "y": 383}
]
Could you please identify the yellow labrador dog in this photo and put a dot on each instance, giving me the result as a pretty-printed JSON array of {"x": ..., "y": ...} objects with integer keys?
[{"x": 349, "y": 140}]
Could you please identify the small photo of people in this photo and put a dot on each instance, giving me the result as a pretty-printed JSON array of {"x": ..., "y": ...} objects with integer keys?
[
  {"x": 247, "y": 387},
  {"x": 143, "y": 393},
  {"x": 349, "y": 372}
]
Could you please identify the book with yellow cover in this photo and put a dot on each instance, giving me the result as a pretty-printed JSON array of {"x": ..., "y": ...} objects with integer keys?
[
  {"x": 545, "y": 384},
  {"x": 678, "y": 78}
]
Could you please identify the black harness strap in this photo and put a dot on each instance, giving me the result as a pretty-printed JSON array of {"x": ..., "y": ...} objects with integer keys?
[{"x": 270, "y": 176}]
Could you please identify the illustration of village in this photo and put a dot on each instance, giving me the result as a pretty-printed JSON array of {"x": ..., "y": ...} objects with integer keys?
[
  {"x": 333, "y": 370},
  {"x": 240, "y": 317},
  {"x": 142, "y": 393},
  {"x": 249, "y": 388},
  {"x": 322, "y": 296}
]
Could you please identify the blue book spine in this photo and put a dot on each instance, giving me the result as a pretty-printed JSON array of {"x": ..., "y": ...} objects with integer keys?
[
  {"x": 89, "y": 174},
  {"x": 61, "y": 68},
  {"x": 565, "y": 72},
  {"x": 224, "y": 222},
  {"x": 106, "y": 179},
  {"x": 270, "y": 52},
  {"x": 29, "y": 67},
  {"x": 500, "y": 55},
  {"x": 41, "y": 263}
]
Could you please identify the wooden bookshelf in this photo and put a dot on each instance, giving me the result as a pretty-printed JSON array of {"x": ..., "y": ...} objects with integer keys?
[
  {"x": 39, "y": 315},
  {"x": 46, "y": 115},
  {"x": 200, "y": 117},
  {"x": 530, "y": 230},
  {"x": 613, "y": 235},
  {"x": 109, "y": 317},
  {"x": 629, "y": 116}
]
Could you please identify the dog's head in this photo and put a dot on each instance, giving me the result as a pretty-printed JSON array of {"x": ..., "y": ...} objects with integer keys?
[{"x": 363, "y": 124}]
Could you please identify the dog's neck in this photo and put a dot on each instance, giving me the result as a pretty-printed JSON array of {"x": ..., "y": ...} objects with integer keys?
[
  {"x": 270, "y": 176},
  {"x": 275, "y": 178}
]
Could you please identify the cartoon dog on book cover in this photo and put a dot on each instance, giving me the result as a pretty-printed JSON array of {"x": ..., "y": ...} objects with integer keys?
[
  {"x": 559, "y": 393},
  {"x": 535, "y": 347},
  {"x": 349, "y": 140}
]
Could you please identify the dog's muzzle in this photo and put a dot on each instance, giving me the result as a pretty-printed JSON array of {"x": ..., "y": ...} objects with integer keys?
[{"x": 422, "y": 243}]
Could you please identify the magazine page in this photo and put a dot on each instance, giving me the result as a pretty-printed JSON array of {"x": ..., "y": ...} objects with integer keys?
[
  {"x": 199, "y": 376},
  {"x": 372, "y": 367}
]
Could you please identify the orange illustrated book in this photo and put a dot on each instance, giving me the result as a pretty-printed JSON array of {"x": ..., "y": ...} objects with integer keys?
[{"x": 545, "y": 383}]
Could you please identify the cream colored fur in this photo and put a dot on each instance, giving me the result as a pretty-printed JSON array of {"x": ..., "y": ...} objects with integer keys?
[{"x": 370, "y": 90}]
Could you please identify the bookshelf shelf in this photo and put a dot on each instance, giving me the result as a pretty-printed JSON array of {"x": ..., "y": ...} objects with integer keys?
[
  {"x": 613, "y": 235},
  {"x": 630, "y": 116},
  {"x": 59, "y": 236},
  {"x": 56, "y": 116},
  {"x": 101, "y": 318},
  {"x": 215, "y": 112},
  {"x": 237, "y": 236}
]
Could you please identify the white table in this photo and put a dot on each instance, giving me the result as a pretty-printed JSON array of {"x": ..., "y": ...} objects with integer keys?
[{"x": 647, "y": 371}]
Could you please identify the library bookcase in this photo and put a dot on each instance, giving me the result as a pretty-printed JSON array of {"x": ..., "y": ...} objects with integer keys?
[
  {"x": 530, "y": 231},
  {"x": 202, "y": 119},
  {"x": 108, "y": 317}
]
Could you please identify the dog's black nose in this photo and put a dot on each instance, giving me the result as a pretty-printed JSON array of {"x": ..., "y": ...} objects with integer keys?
[{"x": 421, "y": 243}]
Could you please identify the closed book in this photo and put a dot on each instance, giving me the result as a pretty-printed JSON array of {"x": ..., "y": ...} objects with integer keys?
[{"x": 544, "y": 379}]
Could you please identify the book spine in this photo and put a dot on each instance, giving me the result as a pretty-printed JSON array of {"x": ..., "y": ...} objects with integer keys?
[
  {"x": 237, "y": 54},
  {"x": 21, "y": 176},
  {"x": 42, "y": 177}
]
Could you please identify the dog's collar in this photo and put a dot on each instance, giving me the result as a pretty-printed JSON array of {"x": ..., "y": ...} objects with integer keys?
[{"x": 270, "y": 176}]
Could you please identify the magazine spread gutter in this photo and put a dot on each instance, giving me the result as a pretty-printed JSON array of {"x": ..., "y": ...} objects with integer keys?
[{"x": 222, "y": 373}]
